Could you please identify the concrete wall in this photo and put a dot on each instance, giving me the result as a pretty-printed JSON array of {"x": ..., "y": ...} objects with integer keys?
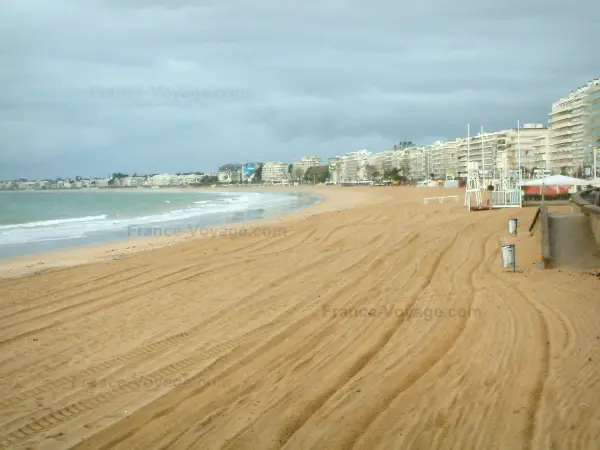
[{"x": 589, "y": 204}]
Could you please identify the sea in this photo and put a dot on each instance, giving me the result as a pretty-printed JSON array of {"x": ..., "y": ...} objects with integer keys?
[{"x": 39, "y": 221}]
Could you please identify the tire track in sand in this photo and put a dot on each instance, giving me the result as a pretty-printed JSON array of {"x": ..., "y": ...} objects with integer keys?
[
  {"x": 147, "y": 351},
  {"x": 364, "y": 360}
]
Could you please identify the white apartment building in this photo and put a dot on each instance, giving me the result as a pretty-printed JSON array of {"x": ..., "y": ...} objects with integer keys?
[
  {"x": 275, "y": 172},
  {"x": 441, "y": 159},
  {"x": 526, "y": 140},
  {"x": 541, "y": 150},
  {"x": 497, "y": 151},
  {"x": 412, "y": 162},
  {"x": 335, "y": 169},
  {"x": 301, "y": 165},
  {"x": 591, "y": 127},
  {"x": 381, "y": 162},
  {"x": 572, "y": 129},
  {"x": 160, "y": 180},
  {"x": 482, "y": 148},
  {"x": 354, "y": 166}
]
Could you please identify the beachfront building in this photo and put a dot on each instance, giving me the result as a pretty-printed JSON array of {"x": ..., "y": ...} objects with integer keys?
[
  {"x": 541, "y": 149},
  {"x": 354, "y": 166},
  {"x": 100, "y": 182},
  {"x": 412, "y": 163},
  {"x": 380, "y": 163},
  {"x": 591, "y": 128},
  {"x": 158, "y": 180},
  {"x": 301, "y": 165},
  {"x": 524, "y": 139},
  {"x": 441, "y": 160},
  {"x": 482, "y": 148},
  {"x": 496, "y": 151},
  {"x": 230, "y": 173},
  {"x": 275, "y": 172},
  {"x": 335, "y": 167},
  {"x": 572, "y": 125},
  {"x": 133, "y": 181}
]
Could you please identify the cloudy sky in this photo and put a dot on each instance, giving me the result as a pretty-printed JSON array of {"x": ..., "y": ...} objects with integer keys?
[{"x": 90, "y": 87}]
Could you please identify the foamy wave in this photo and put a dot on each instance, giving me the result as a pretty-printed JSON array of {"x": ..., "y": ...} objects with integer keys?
[
  {"x": 82, "y": 227},
  {"x": 45, "y": 223}
]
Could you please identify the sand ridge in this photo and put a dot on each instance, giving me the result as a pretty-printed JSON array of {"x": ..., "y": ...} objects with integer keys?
[{"x": 372, "y": 321}]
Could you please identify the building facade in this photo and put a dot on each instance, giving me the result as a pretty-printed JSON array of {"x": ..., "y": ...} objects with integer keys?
[
  {"x": 275, "y": 172},
  {"x": 230, "y": 173},
  {"x": 301, "y": 165},
  {"x": 573, "y": 127},
  {"x": 591, "y": 128},
  {"x": 354, "y": 166}
]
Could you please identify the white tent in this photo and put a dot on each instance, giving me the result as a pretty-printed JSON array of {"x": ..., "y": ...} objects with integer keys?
[{"x": 556, "y": 180}]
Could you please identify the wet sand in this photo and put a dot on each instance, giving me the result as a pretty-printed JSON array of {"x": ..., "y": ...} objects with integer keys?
[{"x": 368, "y": 321}]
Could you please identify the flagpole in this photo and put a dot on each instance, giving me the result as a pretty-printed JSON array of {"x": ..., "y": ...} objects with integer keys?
[
  {"x": 468, "y": 147},
  {"x": 467, "y": 195},
  {"x": 519, "y": 156},
  {"x": 482, "y": 157}
]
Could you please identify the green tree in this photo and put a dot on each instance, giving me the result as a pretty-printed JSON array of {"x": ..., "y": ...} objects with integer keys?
[
  {"x": 258, "y": 175},
  {"x": 318, "y": 174}
]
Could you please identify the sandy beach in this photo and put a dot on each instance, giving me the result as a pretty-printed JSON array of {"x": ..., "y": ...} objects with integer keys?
[{"x": 369, "y": 320}]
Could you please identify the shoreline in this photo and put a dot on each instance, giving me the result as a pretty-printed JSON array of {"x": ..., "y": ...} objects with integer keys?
[{"x": 36, "y": 263}]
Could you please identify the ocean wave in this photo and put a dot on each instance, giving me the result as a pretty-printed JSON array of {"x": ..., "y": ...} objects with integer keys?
[
  {"x": 82, "y": 227},
  {"x": 45, "y": 223}
]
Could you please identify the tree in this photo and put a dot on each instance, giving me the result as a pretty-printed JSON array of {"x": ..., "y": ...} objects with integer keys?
[
  {"x": 369, "y": 170},
  {"x": 290, "y": 168},
  {"x": 117, "y": 177},
  {"x": 317, "y": 174},
  {"x": 297, "y": 173},
  {"x": 258, "y": 175},
  {"x": 563, "y": 170}
]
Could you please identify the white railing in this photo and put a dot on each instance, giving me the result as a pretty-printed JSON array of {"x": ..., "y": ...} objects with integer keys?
[
  {"x": 441, "y": 199},
  {"x": 506, "y": 199}
]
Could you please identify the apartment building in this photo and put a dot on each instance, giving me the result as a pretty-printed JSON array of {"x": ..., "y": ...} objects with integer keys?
[
  {"x": 230, "y": 173},
  {"x": 591, "y": 128},
  {"x": 541, "y": 149},
  {"x": 275, "y": 172},
  {"x": 441, "y": 159},
  {"x": 354, "y": 165},
  {"x": 301, "y": 165},
  {"x": 482, "y": 148},
  {"x": 572, "y": 129},
  {"x": 335, "y": 169},
  {"x": 525, "y": 139},
  {"x": 159, "y": 180},
  {"x": 381, "y": 162}
]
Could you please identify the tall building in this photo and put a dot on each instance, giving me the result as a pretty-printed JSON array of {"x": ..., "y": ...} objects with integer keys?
[
  {"x": 275, "y": 172},
  {"x": 381, "y": 162},
  {"x": 573, "y": 125},
  {"x": 591, "y": 127},
  {"x": 335, "y": 169},
  {"x": 441, "y": 159},
  {"x": 497, "y": 151},
  {"x": 541, "y": 149},
  {"x": 301, "y": 165},
  {"x": 354, "y": 166}
]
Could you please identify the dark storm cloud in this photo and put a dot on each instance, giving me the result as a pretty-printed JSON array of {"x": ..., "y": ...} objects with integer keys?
[{"x": 95, "y": 87}]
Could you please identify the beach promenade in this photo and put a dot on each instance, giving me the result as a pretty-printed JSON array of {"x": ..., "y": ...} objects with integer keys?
[{"x": 369, "y": 321}]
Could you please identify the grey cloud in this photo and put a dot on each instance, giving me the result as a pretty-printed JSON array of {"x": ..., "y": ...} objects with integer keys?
[{"x": 150, "y": 86}]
